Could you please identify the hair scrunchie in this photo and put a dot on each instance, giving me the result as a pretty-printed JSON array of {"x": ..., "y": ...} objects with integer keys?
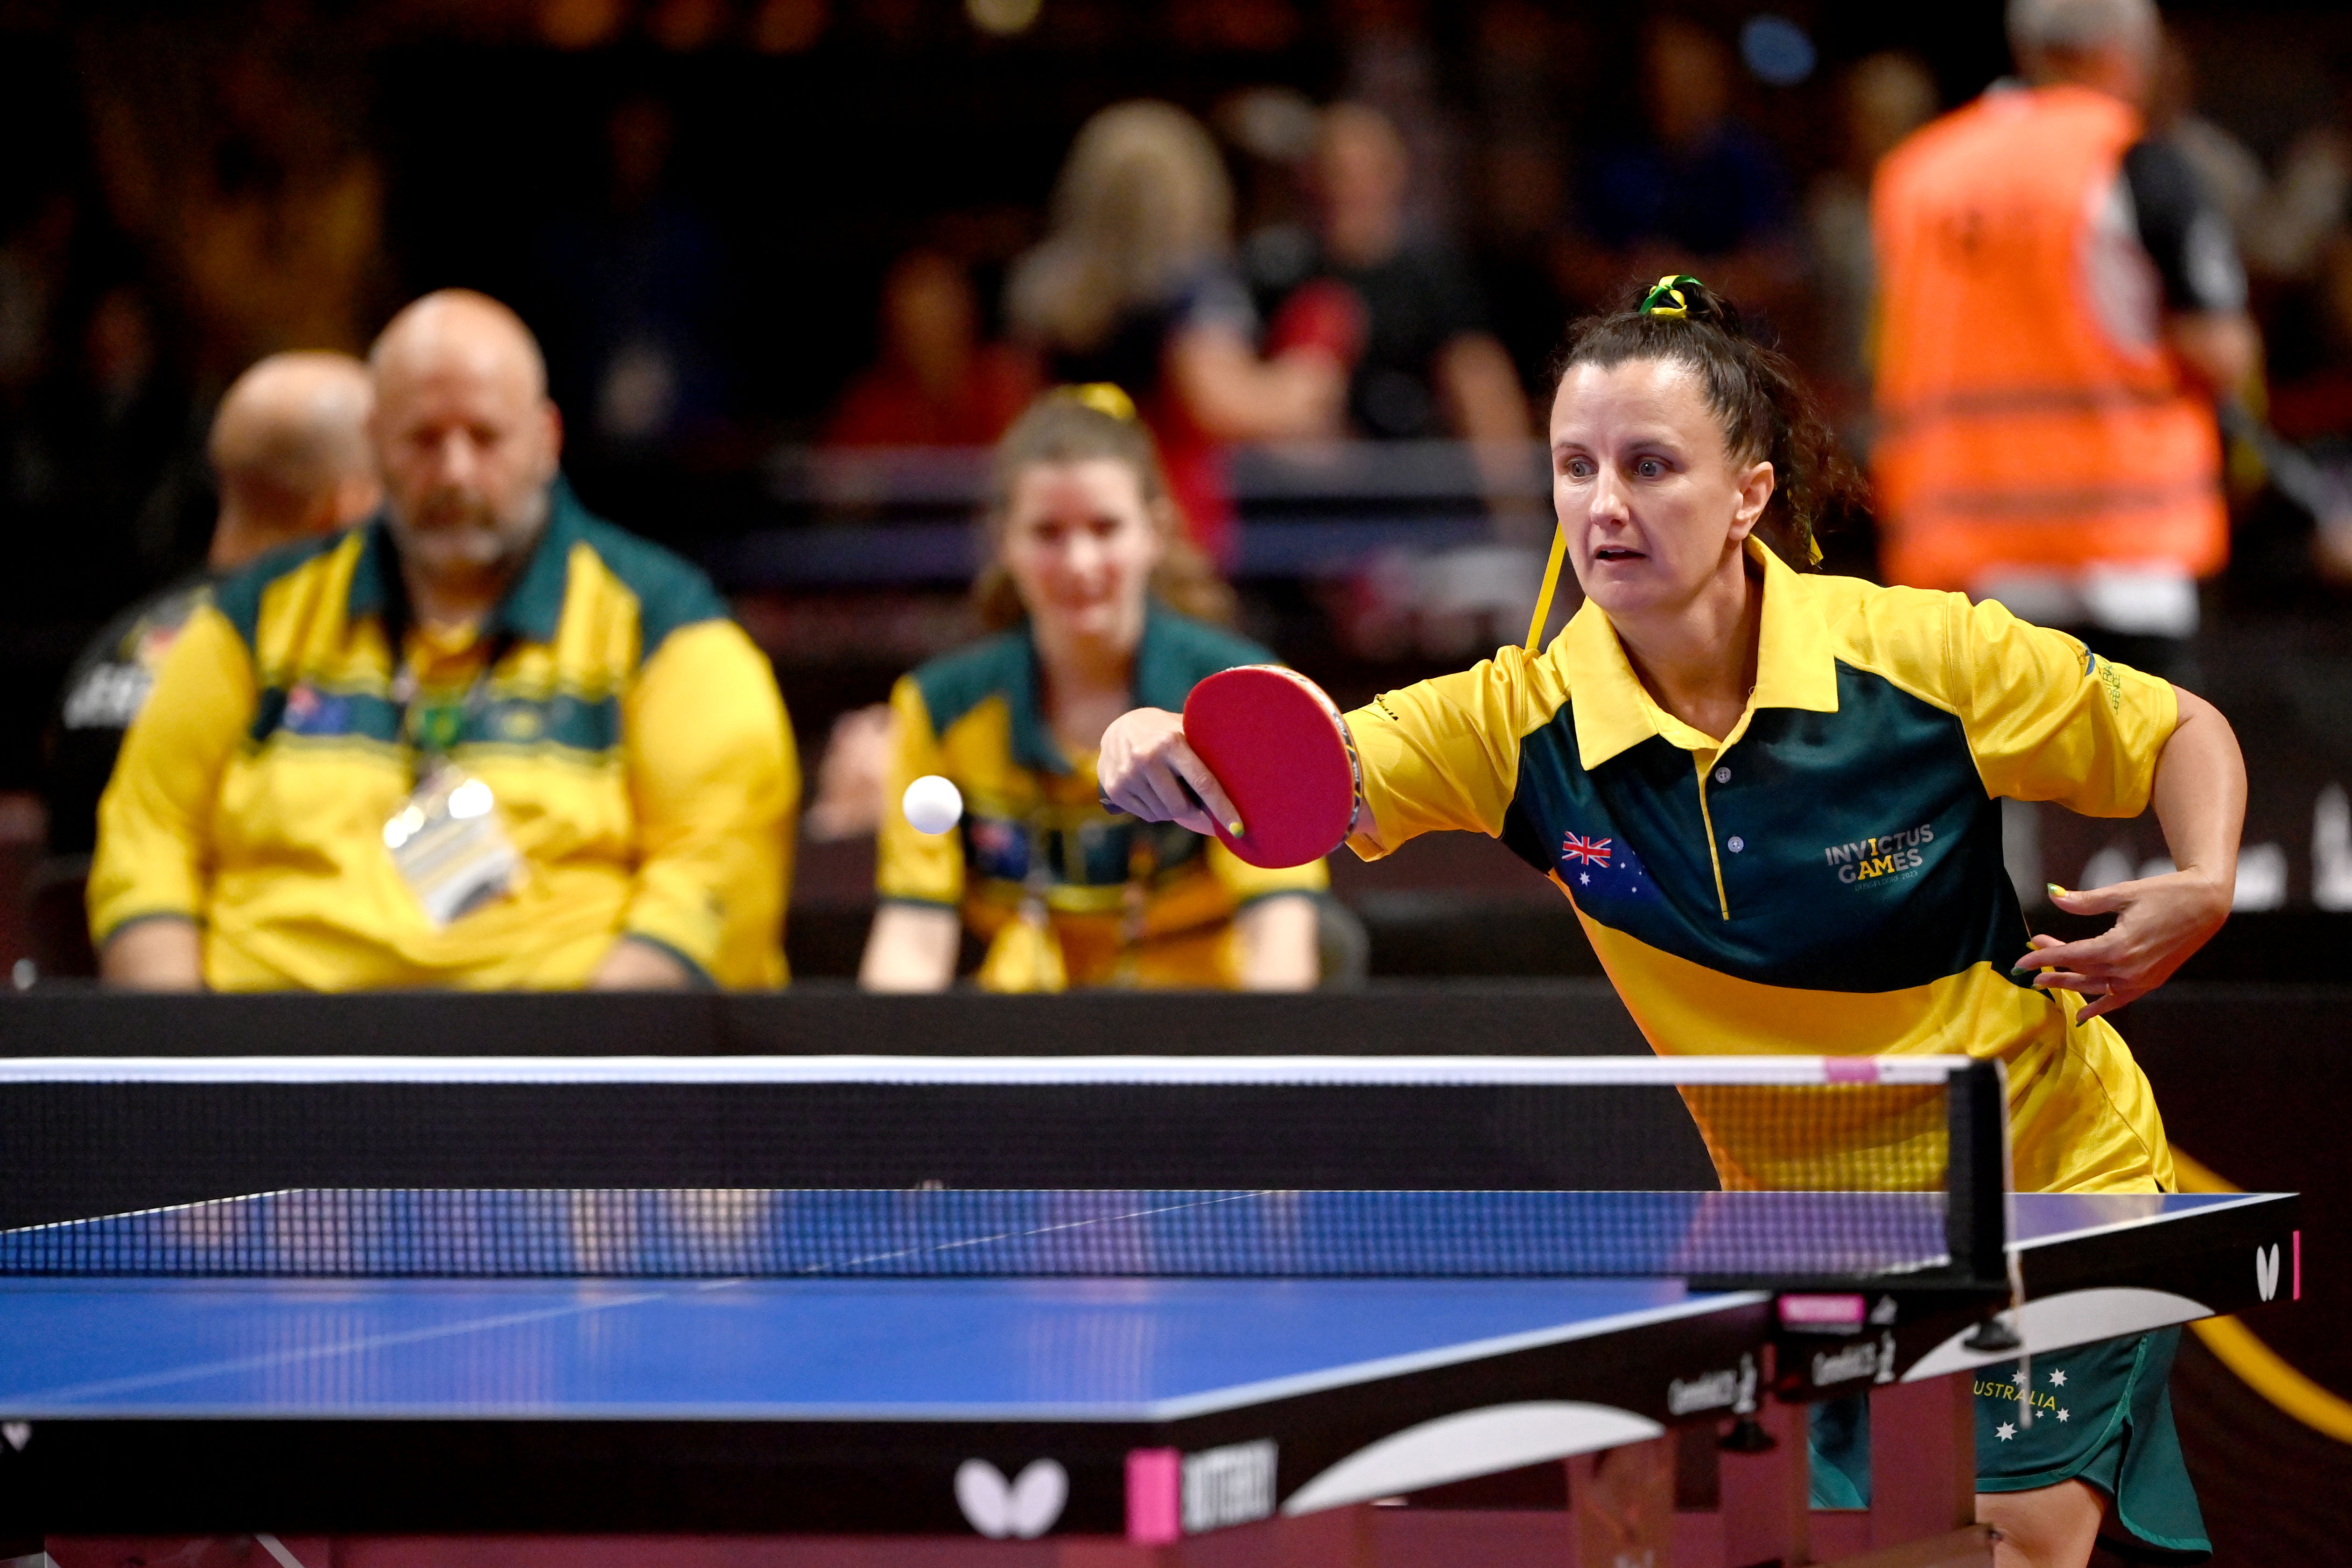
[
  {"x": 1102, "y": 396},
  {"x": 1666, "y": 299}
]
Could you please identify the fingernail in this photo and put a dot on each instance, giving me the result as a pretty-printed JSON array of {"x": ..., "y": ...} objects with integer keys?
[
  {"x": 1235, "y": 827},
  {"x": 2055, "y": 890}
]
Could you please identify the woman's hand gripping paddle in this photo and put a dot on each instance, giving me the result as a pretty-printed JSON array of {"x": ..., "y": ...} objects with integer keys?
[{"x": 1278, "y": 750}]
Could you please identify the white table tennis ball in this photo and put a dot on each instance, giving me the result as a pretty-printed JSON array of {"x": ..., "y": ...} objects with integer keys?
[{"x": 933, "y": 804}]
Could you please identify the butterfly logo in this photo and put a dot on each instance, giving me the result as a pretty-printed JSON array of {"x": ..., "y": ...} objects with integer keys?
[
  {"x": 2266, "y": 1270},
  {"x": 1021, "y": 1509}
]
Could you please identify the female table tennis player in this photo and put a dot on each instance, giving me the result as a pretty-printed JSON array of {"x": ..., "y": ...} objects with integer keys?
[
  {"x": 1773, "y": 798},
  {"x": 1090, "y": 567}
]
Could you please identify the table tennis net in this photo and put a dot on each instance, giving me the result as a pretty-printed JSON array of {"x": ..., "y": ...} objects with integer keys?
[
  {"x": 640, "y": 1233},
  {"x": 1779, "y": 1169}
]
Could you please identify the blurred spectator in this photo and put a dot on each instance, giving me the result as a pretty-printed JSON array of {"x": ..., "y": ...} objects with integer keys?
[
  {"x": 851, "y": 776},
  {"x": 486, "y": 741},
  {"x": 234, "y": 159},
  {"x": 101, "y": 481},
  {"x": 2062, "y": 305},
  {"x": 1704, "y": 193},
  {"x": 1135, "y": 285},
  {"x": 2232, "y": 176},
  {"x": 32, "y": 283},
  {"x": 2290, "y": 232},
  {"x": 1528, "y": 73},
  {"x": 2299, "y": 248},
  {"x": 1272, "y": 132},
  {"x": 290, "y": 458},
  {"x": 636, "y": 294},
  {"x": 34, "y": 259},
  {"x": 1885, "y": 97},
  {"x": 1391, "y": 66},
  {"x": 1427, "y": 366},
  {"x": 105, "y": 474},
  {"x": 1103, "y": 605},
  {"x": 935, "y": 384}
]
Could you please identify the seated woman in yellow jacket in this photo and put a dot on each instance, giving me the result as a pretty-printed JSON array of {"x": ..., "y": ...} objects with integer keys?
[{"x": 1104, "y": 607}]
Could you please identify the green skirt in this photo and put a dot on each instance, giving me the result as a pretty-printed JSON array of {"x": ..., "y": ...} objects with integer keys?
[{"x": 2102, "y": 1414}]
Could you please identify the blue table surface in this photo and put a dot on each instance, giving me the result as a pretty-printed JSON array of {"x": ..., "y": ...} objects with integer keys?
[{"x": 808, "y": 1349}]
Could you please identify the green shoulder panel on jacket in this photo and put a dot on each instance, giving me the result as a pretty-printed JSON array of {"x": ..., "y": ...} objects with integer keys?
[
  {"x": 239, "y": 596},
  {"x": 953, "y": 684},
  {"x": 671, "y": 592},
  {"x": 1177, "y": 652}
]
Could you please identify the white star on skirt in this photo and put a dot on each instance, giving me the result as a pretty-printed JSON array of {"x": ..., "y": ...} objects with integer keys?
[
  {"x": 2004, "y": 1431},
  {"x": 2058, "y": 1378},
  {"x": 1586, "y": 878},
  {"x": 2062, "y": 1415}
]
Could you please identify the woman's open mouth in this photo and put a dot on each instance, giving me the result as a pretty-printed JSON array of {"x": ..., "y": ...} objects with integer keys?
[{"x": 1617, "y": 552}]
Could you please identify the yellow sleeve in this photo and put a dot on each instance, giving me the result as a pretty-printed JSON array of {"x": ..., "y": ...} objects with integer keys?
[
  {"x": 1249, "y": 883},
  {"x": 910, "y": 867},
  {"x": 716, "y": 780},
  {"x": 1444, "y": 753},
  {"x": 2048, "y": 721},
  {"x": 154, "y": 822}
]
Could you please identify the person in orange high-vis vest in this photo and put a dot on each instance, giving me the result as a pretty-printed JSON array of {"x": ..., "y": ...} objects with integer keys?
[{"x": 2059, "y": 307}]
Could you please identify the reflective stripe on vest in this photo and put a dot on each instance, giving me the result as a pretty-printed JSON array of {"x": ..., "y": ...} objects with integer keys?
[{"x": 2016, "y": 426}]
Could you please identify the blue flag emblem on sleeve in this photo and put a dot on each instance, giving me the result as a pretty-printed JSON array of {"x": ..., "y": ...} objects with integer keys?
[{"x": 1607, "y": 868}]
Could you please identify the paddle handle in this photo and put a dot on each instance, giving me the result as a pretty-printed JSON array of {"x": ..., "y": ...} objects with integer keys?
[{"x": 1116, "y": 810}]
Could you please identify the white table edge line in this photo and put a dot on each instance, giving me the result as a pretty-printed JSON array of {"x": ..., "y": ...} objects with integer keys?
[
  {"x": 2230, "y": 1201},
  {"x": 884, "y": 1070},
  {"x": 1265, "y": 1391}
]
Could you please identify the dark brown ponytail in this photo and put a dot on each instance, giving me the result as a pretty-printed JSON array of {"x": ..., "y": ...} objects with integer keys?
[{"x": 1757, "y": 395}]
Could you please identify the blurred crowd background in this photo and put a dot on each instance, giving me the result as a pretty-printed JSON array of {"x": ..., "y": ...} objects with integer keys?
[{"x": 794, "y": 261}]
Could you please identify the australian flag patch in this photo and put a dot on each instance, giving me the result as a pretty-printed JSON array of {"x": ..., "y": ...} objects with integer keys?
[
  {"x": 1607, "y": 868},
  {"x": 310, "y": 711}
]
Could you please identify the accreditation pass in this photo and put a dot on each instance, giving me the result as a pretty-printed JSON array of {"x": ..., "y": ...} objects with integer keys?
[{"x": 449, "y": 845}]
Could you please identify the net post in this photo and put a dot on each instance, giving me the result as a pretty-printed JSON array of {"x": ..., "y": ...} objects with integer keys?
[{"x": 1976, "y": 1205}]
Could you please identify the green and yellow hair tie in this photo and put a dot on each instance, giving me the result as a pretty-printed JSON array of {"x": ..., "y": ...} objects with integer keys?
[
  {"x": 1666, "y": 298},
  {"x": 1103, "y": 398}
]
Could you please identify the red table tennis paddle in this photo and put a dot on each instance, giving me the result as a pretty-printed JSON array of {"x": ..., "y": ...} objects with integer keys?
[{"x": 1285, "y": 759}]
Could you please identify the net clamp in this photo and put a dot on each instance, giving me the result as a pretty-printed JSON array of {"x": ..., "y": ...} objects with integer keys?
[{"x": 1995, "y": 1334}]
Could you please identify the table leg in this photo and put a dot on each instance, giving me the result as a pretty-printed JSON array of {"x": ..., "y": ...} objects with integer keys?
[
  {"x": 1623, "y": 1500},
  {"x": 1923, "y": 1459},
  {"x": 1764, "y": 1510}
]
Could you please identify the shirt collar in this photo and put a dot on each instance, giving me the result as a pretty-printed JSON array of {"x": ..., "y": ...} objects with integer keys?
[
  {"x": 534, "y": 605},
  {"x": 1794, "y": 668},
  {"x": 1161, "y": 679},
  {"x": 376, "y": 575}
]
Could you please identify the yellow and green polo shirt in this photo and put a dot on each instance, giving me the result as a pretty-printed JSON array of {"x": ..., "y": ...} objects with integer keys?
[
  {"x": 1828, "y": 876},
  {"x": 1032, "y": 818},
  {"x": 631, "y": 733}
]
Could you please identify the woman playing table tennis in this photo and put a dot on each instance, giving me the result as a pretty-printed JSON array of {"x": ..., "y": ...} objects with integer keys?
[
  {"x": 1773, "y": 798},
  {"x": 1090, "y": 567}
]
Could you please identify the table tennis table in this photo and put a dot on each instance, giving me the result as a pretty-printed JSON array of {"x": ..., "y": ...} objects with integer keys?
[{"x": 1134, "y": 1411}]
